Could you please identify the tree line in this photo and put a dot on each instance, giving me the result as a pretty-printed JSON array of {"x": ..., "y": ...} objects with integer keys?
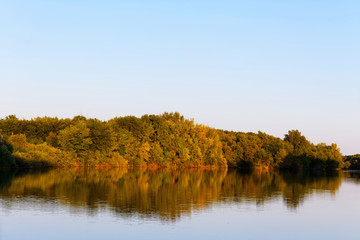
[
  {"x": 352, "y": 161},
  {"x": 166, "y": 140}
]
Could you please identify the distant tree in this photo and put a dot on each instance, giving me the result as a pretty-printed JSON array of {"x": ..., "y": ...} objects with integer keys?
[
  {"x": 295, "y": 138},
  {"x": 156, "y": 154},
  {"x": 78, "y": 118},
  {"x": 52, "y": 139},
  {"x": 352, "y": 162},
  {"x": 101, "y": 136},
  {"x": 263, "y": 158},
  {"x": 6, "y": 158},
  {"x": 75, "y": 137},
  {"x": 11, "y": 117},
  {"x": 18, "y": 140}
]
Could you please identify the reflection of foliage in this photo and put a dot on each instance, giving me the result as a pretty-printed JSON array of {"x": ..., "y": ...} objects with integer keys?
[
  {"x": 6, "y": 178},
  {"x": 167, "y": 194},
  {"x": 158, "y": 141}
]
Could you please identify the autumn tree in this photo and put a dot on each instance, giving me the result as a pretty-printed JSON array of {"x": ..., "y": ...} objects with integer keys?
[{"x": 75, "y": 137}]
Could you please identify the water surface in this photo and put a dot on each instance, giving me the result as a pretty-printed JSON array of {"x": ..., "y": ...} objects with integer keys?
[{"x": 178, "y": 204}]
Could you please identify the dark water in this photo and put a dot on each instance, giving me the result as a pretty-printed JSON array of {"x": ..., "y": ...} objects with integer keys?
[{"x": 178, "y": 204}]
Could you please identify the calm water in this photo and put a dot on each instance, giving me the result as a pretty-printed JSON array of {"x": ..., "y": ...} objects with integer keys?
[{"x": 178, "y": 204}]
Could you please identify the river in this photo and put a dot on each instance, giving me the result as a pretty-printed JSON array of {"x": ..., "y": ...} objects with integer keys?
[{"x": 178, "y": 204}]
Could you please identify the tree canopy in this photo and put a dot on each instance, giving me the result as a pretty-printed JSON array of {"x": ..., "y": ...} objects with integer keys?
[{"x": 155, "y": 140}]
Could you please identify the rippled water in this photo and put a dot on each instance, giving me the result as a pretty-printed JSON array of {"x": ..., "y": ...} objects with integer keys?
[{"x": 178, "y": 204}]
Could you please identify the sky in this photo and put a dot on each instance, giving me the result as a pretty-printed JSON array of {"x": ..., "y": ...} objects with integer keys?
[{"x": 247, "y": 66}]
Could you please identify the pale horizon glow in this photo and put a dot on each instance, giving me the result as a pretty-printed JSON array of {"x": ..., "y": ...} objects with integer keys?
[{"x": 248, "y": 66}]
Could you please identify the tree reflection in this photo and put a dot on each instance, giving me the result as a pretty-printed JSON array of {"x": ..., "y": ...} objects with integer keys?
[{"x": 165, "y": 194}]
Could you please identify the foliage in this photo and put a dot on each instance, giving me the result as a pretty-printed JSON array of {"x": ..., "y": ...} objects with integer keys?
[
  {"x": 164, "y": 140},
  {"x": 52, "y": 139},
  {"x": 352, "y": 162},
  {"x": 75, "y": 137},
  {"x": 6, "y": 159}
]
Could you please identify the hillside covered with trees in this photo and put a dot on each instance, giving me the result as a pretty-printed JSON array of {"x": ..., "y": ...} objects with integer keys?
[{"x": 166, "y": 140}]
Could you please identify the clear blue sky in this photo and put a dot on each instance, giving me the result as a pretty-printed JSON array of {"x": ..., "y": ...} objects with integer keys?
[{"x": 237, "y": 65}]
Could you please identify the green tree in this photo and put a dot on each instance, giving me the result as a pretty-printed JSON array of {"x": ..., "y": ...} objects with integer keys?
[
  {"x": 75, "y": 137},
  {"x": 101, "y": 135},
  {"x": 297, "y": 140},
  {"x": 6, "y": 158},
  {"x": 52, "y": 139}
]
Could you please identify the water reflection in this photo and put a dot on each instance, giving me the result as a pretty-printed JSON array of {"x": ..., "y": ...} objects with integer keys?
[{"x": 164, "y": 194}]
